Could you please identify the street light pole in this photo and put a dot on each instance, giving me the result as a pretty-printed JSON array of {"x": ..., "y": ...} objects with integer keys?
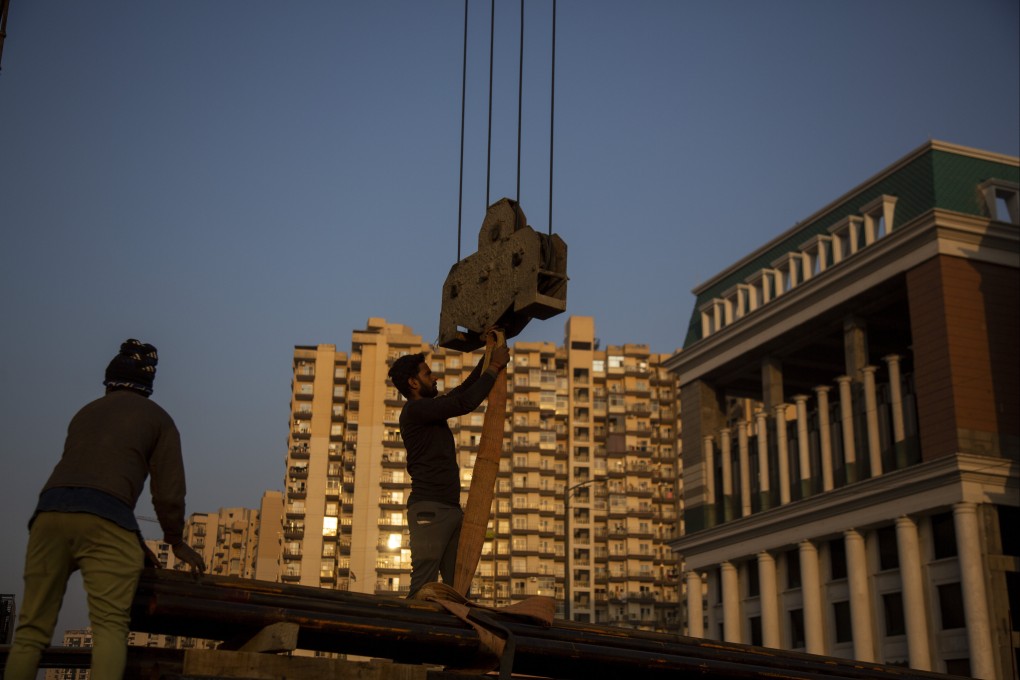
[{"x": 566, "y": 541}]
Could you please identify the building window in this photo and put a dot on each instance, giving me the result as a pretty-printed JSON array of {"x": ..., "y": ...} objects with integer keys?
[
  {"x": 892, "y": 604},
  {"x": 753, "y": 587},
  {"x": 847, "y": 237},
  {"x": 837, "y": 559},
  {"x": 817, "y": 254},
  {"x": 841, "y": 615},
  {"x": 796, "y": 628},
  {"x": 1002, "y": 199},
  {"x": 888, "y": 554},
  {"x": 755, "y": 624},
  {"x": 951, "y": 606},
  {"x": 959, "y": 667},
  {"x": 878, "y": 218},
  {"x": 943, "y": 533},
  {"x": 1009, "y": 516},
  {"x": 792, "y": 569}
]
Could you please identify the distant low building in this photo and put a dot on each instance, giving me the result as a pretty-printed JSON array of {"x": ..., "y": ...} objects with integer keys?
[
  {"x": 81, "y": 637},
  {"x": 8, "y": 618},
  {"x": 851, "y": 434},
  {"x": 227, "y": 540}
]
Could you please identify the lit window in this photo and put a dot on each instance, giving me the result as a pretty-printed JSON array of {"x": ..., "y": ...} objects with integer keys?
[
  {"x": 394, "y": 541},
  {"x": 329, "y": 525}
]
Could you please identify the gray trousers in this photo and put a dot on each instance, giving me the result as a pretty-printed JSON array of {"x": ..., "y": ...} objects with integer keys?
[{"x": 435, "y": 533}]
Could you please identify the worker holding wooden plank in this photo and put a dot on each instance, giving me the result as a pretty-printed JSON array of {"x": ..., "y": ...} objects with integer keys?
[{"x": 434, "y": 515}]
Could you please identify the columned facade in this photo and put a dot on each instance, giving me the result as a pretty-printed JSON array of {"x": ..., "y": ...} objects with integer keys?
[{"x": 865, "y": 421}]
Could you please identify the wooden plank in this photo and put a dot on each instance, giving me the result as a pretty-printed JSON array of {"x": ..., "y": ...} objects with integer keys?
[{"x": 483, "y": 484}]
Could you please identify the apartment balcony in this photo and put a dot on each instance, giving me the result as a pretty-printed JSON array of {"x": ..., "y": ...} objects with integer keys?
[
  {"x": 639, "y": 492},
  {"x": 641, "y": 470},
  {"x": 300, "y": 434},
  {"x": 303, "y": 414},
  {"x": 294, "y": 534},
  {"x": 300, "y": 451},
  {"x": 290, "y": 578},
  {"x": 618, "y": 512},
  {"x": 394, "y": 460},
  {"x": 298, "y": 472},
  {"x": 643, "y": 511}
]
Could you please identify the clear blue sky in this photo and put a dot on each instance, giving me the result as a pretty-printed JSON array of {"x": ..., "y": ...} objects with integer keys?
[{"x": 228, "y": 179}]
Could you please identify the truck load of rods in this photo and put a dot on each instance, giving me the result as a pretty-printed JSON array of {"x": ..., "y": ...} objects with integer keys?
[{"x": 421, "y": 632}]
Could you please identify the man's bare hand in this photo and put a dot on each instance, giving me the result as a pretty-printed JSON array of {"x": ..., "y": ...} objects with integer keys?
[
  {"x": 499, "y": 357},
  {"x": 186, "y": 554}
]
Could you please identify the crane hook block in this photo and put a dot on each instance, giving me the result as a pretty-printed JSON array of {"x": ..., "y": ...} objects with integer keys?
[{"x": 517, "y": 275}]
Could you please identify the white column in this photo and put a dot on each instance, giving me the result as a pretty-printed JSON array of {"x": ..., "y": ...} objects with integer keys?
[
  {"x": 860, "y": 596},
  {"x": 811, "y": 590},
  {"x": 896, "y": 396},
  {"x": 695, "y": 610},
  {"x": 915, "y": 613},
  {"x": 803, "y": 446},
  {"x": 764, "y": 487},
  {"x": 745, "y": 469},
  {"x": 825, "y": 436},
  {"x": 783, "y": 455},
  {"x": 768, "y": 586},
  {"x": 709, "y": 481},
  {"x": 871, "y": 413},
  {"x": 725, "y": 451},
  {"x": 731, "y": 602},
  {"x": 847, "y": 420},
  {"x": 972, "y": 583}
]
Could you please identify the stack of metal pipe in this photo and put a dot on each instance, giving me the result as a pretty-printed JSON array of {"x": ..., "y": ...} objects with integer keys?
[{"x": 417, "y": 632}]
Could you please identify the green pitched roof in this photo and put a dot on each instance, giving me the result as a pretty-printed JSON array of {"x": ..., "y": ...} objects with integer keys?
[{"x": 936, "y": 177}]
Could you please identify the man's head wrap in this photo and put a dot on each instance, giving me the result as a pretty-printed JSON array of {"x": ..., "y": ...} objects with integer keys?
[{"x": 134, "y": 367}]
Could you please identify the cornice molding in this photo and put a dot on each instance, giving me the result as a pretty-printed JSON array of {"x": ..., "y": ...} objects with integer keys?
[
  {"x": 936, "y": 232},
  {"x": 918, "y": 488}
]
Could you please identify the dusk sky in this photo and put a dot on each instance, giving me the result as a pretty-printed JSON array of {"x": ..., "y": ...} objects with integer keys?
[{"x": 228, "y": 179}]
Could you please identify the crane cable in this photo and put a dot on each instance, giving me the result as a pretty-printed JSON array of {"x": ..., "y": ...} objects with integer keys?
[{"x": 520, "y": 98}]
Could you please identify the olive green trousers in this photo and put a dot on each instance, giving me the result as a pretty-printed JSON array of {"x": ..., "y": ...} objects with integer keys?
[{"x": 111, "y": 560}]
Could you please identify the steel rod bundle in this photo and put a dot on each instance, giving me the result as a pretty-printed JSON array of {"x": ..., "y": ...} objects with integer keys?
[{"x": 225, "y": 608}]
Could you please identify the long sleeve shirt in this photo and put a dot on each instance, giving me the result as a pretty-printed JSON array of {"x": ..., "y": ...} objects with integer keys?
[
  {"x": 117, "y": 441},
  {"x": 431, "y": 450}
]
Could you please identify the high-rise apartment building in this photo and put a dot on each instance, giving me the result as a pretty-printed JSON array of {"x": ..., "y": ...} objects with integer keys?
[
  {"x": 851, "y": 438},
  {"x": 591, "y": 432}
]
